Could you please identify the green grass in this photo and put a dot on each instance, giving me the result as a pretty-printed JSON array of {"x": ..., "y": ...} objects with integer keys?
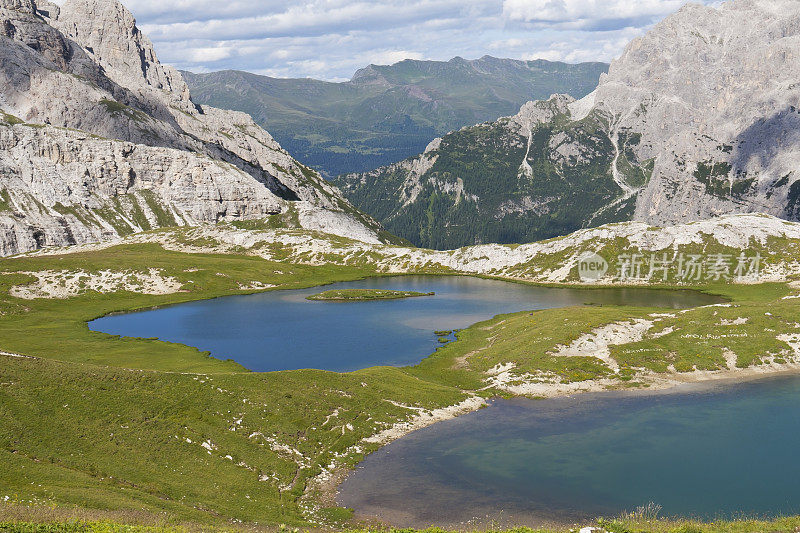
[
  {"x": 693, "y": 339},
  {"x": 163, "y": 218},
  {"x": 139, "y": 524},
  {"x": 110, "y": 438},
  {"x": 116, "y": 108},
  {"x": 11, "y": 120},
  {"x": 286, "y": 220},
  {"x": 524, "y": 339},
  {"x": 5, "y": 201},
  {"x": 361, "y": 295},
  {"x": 81, "y": 527},
  {"x": 701, "y": 337},
  {"x": 98, "y": 422}
]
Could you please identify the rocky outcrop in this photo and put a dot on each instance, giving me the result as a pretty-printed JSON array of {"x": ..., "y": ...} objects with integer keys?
[
  {"x": 100, "y": 140},
  {"x": 64, "y": 187},
  {"x": 767, "y": 246},
  {"x": 108, "y": 32},
  {"x": 713, "y": 94},
  {"x": 698, "y": 118}
]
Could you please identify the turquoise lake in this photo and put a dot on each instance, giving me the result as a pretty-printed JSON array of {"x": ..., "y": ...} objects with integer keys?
[
  {"x": 727, "y": 451},
  {"x": 703, "y": 452},
  {"x": 281, "y": 330}
]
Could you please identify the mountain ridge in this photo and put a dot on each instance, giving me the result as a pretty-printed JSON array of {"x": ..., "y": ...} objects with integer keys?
[
  {"x": 697, "y": 118},
  {"x": 101, "y": 140},
  {"x": 386, "y": 113}
]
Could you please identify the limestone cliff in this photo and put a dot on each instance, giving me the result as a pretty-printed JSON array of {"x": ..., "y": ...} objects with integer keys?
[
  {"x": 713, "y": 94},
  {"x": 100, "y": 140}
]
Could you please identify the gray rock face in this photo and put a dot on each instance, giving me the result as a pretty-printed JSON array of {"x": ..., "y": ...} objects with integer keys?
[
  {"x": 144, "y": 155},
  {"x": 65, "y": 187},
  {"x": 23, "y": 6},
  {"x": 108, "y": 32},
  {"x": 714, "y": 95}
]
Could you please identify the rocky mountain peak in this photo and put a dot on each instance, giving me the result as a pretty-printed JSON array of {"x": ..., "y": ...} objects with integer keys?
[
  {"x": 711, "y": 90},
  {"x": 24, "y": 6},
  {"x": 108, "y": 31},
  {"x": 369, "y": 75},
  {"x": 117, "y": 145},
  {"x": 542, "y": 111}
]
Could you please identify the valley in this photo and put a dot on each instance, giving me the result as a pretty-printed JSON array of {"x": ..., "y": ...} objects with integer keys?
[
  {"x": 581, "y": 315},
  {"x": 282, "y": 438},
  {"x": 654, "y": 142},
  {"x": 387, "y": 113}
]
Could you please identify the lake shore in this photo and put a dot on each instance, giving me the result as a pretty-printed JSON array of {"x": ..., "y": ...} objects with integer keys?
[
  {"x": 68, "y": 348},
  {"x": 653, "y": 385}
]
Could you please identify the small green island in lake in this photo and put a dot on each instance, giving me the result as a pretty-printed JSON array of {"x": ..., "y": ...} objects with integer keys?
[{"x": 362, "y": 295}]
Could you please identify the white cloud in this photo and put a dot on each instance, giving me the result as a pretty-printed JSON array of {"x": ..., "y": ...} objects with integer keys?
[
  {"x": 578, "y": 49},
  {"x": 331, "y": 39},
  {"x": 209, "y": 54},
  {"x": 593, "y": 10},
  {"x": 507, "y": 43},
  {"x": 390, "y": 57}
]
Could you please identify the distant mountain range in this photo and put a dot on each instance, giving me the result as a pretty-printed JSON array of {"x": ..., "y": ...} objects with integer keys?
[
  {"x": 698, "y": 118},
  {"x": 385, "y": 114}
]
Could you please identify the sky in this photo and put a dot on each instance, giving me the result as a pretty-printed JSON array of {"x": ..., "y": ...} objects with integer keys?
[{"x": 331, "y": 39}]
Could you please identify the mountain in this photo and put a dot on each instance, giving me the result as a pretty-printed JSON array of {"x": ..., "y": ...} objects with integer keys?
[
  {"x": 524, "y": 178},
  {"x": 99, "y": 140},
  {"x": 387, "y": 113},
  {"x": 699, "y": 117}
]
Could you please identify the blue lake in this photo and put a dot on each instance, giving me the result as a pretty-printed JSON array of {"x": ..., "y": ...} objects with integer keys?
[
  {"x": 727, "y": 451},
  {"x": 281, "y": 330}
]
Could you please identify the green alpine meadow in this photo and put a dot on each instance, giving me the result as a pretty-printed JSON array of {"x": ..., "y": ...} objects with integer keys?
[{"x": 241, "y": 290}]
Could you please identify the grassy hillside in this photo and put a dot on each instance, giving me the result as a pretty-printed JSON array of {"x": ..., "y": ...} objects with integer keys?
[
  {"x": 100, "y": 422},
  {"x": 387, "y": 113},
  {"x": 163, "y": 432}
]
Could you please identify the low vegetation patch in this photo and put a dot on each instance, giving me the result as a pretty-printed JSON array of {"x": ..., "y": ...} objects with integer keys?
[
  {"x": 10, "y": 120},
  {"x": 116, "y": 108},
  {"x": 5, "y": 201},
  {"x": 360, "y": 295}
]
